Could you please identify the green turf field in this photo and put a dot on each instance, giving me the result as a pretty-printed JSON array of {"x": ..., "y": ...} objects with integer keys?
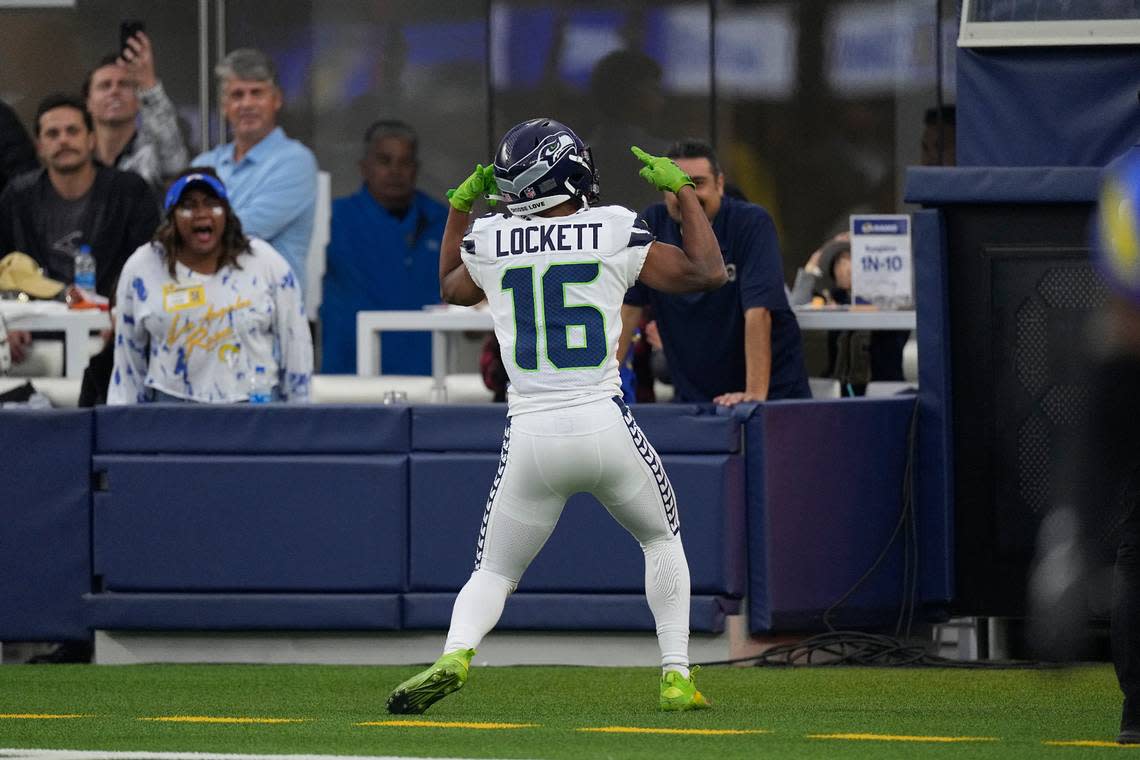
[{"x": 758, "y": 712}]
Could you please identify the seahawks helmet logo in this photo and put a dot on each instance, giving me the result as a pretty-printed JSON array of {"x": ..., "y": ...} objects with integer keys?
[
  {"x": 538, "y": 162},
  {"x": 554, "y": 148}
]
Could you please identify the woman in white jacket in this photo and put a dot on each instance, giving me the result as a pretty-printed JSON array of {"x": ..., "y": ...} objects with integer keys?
[{"x": 202, "y": 307}]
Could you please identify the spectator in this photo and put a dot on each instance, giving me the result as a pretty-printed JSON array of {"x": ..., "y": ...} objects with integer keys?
[
  {"x": 272, "y": 180},
  {"x": 492, "y": 369},
  {"x": 136, "y": 126},
  {"x": 383, "y": 253},
  {"x": 625, "y": 86},
  {"x": 17, "y": 154},
  {"x": 812, "y": 285},
  {"x": 50, "y": 213},
  {"x": 938, "y": 137},
  {"x": 854, "y": 357},
  {"x": 741, "y": 341},
  {"x": 202, "y": 306}
]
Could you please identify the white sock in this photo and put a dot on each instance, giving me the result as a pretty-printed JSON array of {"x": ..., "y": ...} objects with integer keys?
[
  {"x": 667, "y": 590},
  {"x": 477, "y": 609},
  {"x": 676, "y": 669}
]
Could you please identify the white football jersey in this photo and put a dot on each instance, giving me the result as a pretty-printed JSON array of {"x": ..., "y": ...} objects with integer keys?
[{"x": 555, "y": 287}]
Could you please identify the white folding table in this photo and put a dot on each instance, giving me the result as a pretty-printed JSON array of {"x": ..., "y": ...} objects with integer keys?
[{"x": 54, "y": 316}]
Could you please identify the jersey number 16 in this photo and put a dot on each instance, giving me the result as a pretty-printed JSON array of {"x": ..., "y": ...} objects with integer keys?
[{"x": 574, "y": 335}]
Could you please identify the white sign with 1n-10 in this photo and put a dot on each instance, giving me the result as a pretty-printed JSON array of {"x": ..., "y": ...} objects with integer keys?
[{"x": 881, "y": 271}]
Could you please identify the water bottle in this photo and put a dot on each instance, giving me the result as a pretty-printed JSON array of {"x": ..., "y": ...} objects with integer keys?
[
  {"x": 260, "y": 386},
  {"x": 85, "y": 269}
]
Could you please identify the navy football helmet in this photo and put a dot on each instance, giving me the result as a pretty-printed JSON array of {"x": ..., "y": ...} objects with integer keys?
[{"x": 541, "y": 163}]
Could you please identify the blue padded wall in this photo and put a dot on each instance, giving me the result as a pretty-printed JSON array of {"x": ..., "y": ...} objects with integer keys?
[
  {"x": 934, "y": 463},
  {"x": 270, "y": 523},
  {"x": 243, "y": 612},
  {"x": 571, "y": 612},
  {"x": 45, "y": 497},
  {"x": 245, "y": 429},
  {"x": 293, "y": 518},
  {"x": 671, "y": 428},
  {"x": 825, "y": 494},
  {"x": 588, "y": 550}
]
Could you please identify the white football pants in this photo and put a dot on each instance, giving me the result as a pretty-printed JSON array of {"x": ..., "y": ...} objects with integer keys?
[{"x": 547, "y": 457}]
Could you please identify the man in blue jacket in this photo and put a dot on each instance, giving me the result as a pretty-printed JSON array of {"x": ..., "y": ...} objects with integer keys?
[{"x": 383, "y": 253}]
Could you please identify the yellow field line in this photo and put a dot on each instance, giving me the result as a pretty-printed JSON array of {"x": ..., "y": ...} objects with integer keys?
[
  {"x": 898, "y": 738},
  {"x": 1089, "y": 743},
  {"x": 693, "y": 731},
  {"x": 220, "y": 719},
  {"x": 40, "y": 716},
  {"x": 447, "y": 724}
]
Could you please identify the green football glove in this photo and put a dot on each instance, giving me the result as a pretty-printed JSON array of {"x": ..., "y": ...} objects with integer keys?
[
  {"x": 479, "y": 184},
  {"x": 662, "y": 172}
]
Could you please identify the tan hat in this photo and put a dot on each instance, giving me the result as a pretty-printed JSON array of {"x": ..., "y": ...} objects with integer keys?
[{"x": 19, "y": 271}]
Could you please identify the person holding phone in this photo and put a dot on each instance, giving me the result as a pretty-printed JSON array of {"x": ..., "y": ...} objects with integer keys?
[{"x": 136, "y": 124}]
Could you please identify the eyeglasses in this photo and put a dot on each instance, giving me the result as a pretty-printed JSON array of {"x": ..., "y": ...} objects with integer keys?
[{"x": 186, "y": 208}]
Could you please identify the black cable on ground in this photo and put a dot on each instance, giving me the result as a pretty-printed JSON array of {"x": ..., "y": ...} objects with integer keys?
[{"x": 838, "y": 648}]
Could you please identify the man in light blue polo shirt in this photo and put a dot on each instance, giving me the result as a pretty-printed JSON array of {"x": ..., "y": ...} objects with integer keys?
[{"x": 272, "y": 180}]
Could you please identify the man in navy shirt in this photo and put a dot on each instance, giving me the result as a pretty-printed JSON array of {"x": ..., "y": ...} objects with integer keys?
[{"x": 740, "y": 342}]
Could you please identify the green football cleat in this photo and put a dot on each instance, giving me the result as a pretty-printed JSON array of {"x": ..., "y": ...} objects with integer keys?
[
  {"x": 680, "y": 693},
  {"x": 424, "y": 689}
]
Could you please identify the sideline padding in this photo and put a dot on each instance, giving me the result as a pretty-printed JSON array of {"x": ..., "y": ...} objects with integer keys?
[
  {"x": 453, "y": 463},
  {"x": 45, "y": 537},
  {"x": 671, "y": 428},
  {"x": 571, "y": 612},
  {"x": 825, "y": 494},
  {"x": 246, "y": 429},
  {"x": 243, "y": 612},
  {"x": 932, "y": 185},
  {"x": 588, "y": 551},
  {"x": 251, "y": 523}
]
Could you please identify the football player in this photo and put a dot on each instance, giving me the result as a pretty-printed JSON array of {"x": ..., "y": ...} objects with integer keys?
[
  {"x": 554, "y": 272},
  {"x": 1096, "y": 520}
]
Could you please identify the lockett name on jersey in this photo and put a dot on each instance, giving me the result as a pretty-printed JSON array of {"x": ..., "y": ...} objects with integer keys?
[{"x": 547, "y": 238}]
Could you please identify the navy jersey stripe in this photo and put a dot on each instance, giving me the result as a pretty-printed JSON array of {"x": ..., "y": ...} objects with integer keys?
[{"x": 638, "y": 237}]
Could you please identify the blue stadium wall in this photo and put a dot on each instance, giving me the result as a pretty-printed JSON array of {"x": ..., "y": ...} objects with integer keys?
[{"x": 365, "y": 518}]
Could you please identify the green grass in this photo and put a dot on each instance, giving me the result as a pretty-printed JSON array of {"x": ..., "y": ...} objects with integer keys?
[{"x": 1020, "y": 709}]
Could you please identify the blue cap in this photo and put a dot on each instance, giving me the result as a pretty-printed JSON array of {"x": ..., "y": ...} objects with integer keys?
[{"x": 174, "y": 194}]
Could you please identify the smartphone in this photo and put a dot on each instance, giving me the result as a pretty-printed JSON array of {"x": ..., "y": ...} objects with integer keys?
[{"x": 128, "y": 29}]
